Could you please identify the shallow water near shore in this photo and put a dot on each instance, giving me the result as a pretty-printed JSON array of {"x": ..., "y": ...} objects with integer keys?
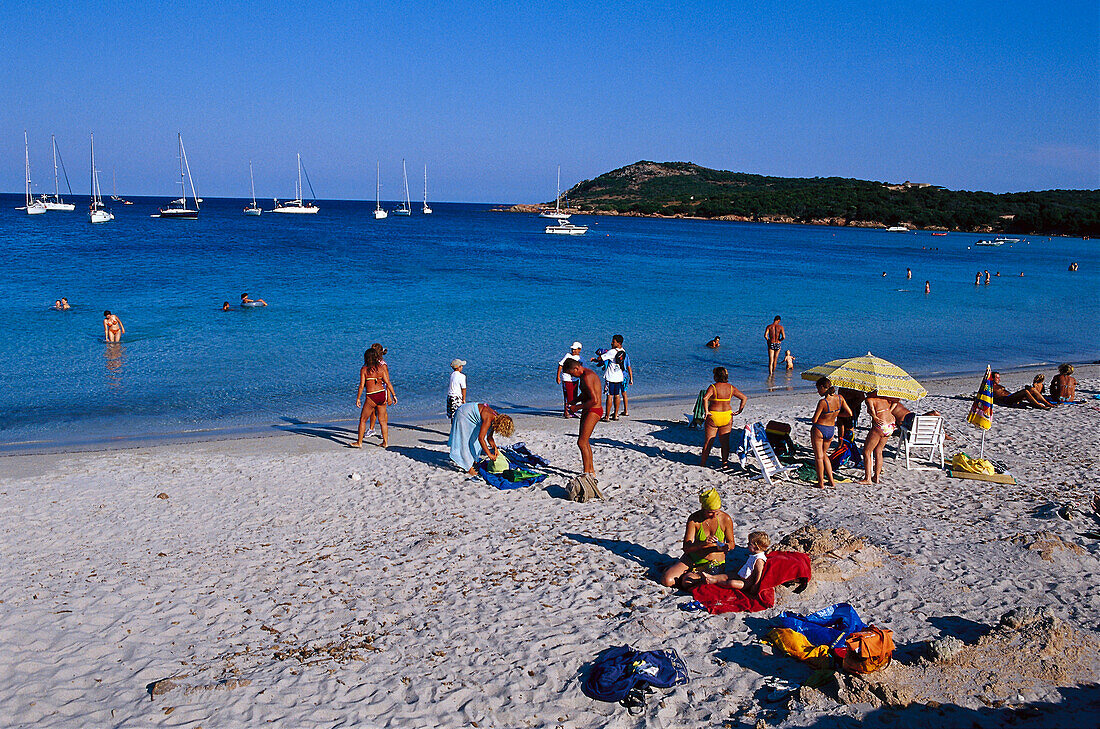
[{"x": 490, "y": 288}]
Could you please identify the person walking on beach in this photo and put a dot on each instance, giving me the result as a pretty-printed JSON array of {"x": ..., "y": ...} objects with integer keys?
[
  {"x": 774, "y": 335},
  {"x": 829, "y": 407},
  {"x": 391, "y": 397},
  {"x": 588, "y": 403},
  {"x": 614, "y": 362},
  {"x": 374, "y": 382},
  {"x": 112, "y": 327},
  {"x": 456, "y": 389},
  {"x": 563, "y": 378},
  {"x": 719, "y": 414}
]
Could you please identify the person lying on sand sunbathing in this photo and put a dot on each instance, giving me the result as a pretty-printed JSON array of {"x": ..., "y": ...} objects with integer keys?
[
  {"x": 1063, "y": 386},
  {"x": 1021, "y": 399},
  {"x": 903, "y": 416},
  {"x": 748, "y": 577},
  {"x": 707, "y": 538}
]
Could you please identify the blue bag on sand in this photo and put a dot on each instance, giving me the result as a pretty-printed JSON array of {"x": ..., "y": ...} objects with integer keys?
[
  {"x": 520, "y": 455},
  {"x": 830, "y": 626},
  {"x": 618, "y": 670}
]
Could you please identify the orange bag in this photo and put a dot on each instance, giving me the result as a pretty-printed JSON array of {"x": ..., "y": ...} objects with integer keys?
[{"x": 868, "y": 650}]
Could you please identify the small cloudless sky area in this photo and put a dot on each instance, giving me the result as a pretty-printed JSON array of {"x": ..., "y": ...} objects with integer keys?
[{"x": 998, "y": 96}]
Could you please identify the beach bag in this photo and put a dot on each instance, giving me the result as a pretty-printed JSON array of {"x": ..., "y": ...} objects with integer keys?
[
  {"x": 584, "y": 488},
  {"x": 868, "y": 650},
  {"x": 618, "y": 670},
  {"x": 779, "y": 436},
  {"x": 846, "y": 453},
  {"x": 829, "y": 626},
  {"x": 963, "y": 462}
]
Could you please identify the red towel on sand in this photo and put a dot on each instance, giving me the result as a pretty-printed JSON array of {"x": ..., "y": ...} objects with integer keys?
[{"x": 781, "y": 567}]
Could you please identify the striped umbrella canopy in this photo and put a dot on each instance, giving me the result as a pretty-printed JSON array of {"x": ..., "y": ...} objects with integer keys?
[{"x": 868, "y": 373}]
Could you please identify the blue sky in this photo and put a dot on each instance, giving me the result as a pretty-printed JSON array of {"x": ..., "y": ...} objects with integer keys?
[{"x": 493, "y": 96}]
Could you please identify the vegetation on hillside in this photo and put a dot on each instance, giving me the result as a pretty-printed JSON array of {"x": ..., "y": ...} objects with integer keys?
[{"x": 682, "y": 188}]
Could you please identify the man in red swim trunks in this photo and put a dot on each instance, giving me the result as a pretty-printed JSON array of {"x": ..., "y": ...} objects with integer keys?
[{"x": 588, "y": 403}]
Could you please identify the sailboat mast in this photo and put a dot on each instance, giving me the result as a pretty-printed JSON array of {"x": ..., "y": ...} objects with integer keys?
[
  {"x": 299, "y": 177},
  {"x": 56, "y": 186},
  {"x": 27, "y": 155},
  {"x": 425, "y": 185},
  {"x": 252, "y": 180},
  {"x": 405, "y": 174},
  {"x": 377, "y": 184},
  {"x": 91, "y": 175},
  {"x": 557, "y": 199}
]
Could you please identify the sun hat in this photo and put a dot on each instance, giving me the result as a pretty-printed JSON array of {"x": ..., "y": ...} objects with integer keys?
[
  {"x": 456, "y": 363},
  {"x": 576, "y": 345}
]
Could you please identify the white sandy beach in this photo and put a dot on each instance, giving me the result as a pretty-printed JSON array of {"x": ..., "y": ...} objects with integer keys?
[{"x": 275, "y": 590}]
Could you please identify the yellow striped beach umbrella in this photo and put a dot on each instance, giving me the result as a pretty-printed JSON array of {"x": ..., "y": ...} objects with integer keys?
[{"x": 868, "y": 373}]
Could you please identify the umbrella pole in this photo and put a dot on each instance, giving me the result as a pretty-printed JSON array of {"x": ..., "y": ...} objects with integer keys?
[{"x": 982, "y": 453}]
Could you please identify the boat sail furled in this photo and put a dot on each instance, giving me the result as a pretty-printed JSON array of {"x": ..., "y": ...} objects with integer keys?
[
  {"x": 406, "y": 208},
  {"x": 297, "y": 205},
  {"x": 54, "y": 202},
  {"x": 177, "y": 209},
  {"x": 97, "y": 213},
  {"x": 379, "y": 213},
  {"x": 426, "y": 210},
  {"x": 252, "y": 209},
  {"x": 32, "y": 206}
]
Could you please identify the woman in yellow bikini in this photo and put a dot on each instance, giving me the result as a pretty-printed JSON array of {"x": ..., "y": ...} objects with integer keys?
[
  {"x": 719, "y": 419},
  {"x": 709, "y": 535}
]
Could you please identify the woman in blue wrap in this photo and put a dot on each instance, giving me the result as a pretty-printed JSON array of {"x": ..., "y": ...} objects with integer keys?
[{"x": 472, "y": 432}]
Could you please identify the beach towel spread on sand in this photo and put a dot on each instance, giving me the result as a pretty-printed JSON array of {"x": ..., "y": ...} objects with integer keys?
[
  {"x": 618, "y": 670},
  {"x": 828, "y": 627},
  {"x": 781, "y": 567},
  {"x": 520, "y": 455}
]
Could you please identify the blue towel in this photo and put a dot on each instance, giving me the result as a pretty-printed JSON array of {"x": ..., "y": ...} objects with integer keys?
[
  {"x": 829, "y": 626},
  {"x": 618, "y": 670},
  {"x": 518, "y": 453}
]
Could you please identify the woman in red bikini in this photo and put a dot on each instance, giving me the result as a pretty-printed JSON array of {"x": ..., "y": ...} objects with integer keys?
[{"x": 374, "y": 382}]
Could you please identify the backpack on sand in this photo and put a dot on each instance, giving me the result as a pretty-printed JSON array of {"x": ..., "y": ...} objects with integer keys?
[
  {"x": 584, "y": 488},
  {"x": 868, "y": 650}
]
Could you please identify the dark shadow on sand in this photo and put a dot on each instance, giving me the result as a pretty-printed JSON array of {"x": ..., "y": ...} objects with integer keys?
[
  {"x": 335, "y": 433},
  {"x": 651, "y": 559},
  {"x": 439, "y": 459},
  {"x": 689, "y": 459}
]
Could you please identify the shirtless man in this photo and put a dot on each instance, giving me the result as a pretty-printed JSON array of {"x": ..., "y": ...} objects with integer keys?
[
  {"x": 588, "y": 402},
  {"x": 112, "y": 327},
  {"x": 245, "y": 301},
  {"x": 774, "y": 335},
  {"x": 1023, "y": 398}
]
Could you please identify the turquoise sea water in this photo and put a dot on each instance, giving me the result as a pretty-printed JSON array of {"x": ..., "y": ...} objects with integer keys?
[{"x": 490, "y": 288}]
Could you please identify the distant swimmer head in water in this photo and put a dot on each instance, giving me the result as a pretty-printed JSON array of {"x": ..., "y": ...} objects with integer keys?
[
  {"x": 927, "y": 287},
  {"x": 57, "y": 304},
  {"x": 225, "y": 306},
  {"x": 65, "y": 303},
  {"x": 715, "y": 343}
]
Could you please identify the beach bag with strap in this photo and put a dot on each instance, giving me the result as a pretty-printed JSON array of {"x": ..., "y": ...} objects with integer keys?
[
  {"x": 617, "y": 670},
  {"x": 868, "y": 650},
  {"x": 584, "y": 488}
]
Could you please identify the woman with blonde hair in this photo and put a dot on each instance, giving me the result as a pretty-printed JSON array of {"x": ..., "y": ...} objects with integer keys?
[
  {"x": 719, "y": 414},
  {"x": 472, "y": 430},
  {"x": 1063, "y": 386},
  {"x": 707, "y": 538}
]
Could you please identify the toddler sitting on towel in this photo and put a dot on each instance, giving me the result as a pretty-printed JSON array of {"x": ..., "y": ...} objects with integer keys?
[{"x": 748, "y": 577}]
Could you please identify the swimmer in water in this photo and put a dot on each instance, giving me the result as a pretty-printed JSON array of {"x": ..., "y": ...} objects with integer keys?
[
  {"x": 65, "y": 304},
  {"x": 57, "y": 304},
  {"x": 112, "y": 327},
  {"x": 225, "y": 306},
  {"x": 908, "y": 273},
  {"x": 927, "y": 287},
  {"x": 987, "y": 277},
  {"x": 789, "y": 360},
  {"x": 715, "y": 343},
  {"x": 245, "y": 301}
]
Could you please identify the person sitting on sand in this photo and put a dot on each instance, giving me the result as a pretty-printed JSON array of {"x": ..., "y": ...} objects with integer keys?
[
  {"x": 112, "y": 327},
  {"x": 789, "y": 361},
  {"x": 715, "y": 343},
  {"x": 719, "y": 414},
  {"x": 1063, "y": 386},
  {"x": 1036, "y": 389},
  {"x": 748, "y": 577},
  {"x": 823, "y": 429},
  {"x": 472, "y": 430},
  {"x": 374, "y": 381},
  {"x": 707, "y": 538},
  {"x": 882, "y": 427},
  {"x": 1020, "y": 399},
  {"x": 245, "y": 301}
]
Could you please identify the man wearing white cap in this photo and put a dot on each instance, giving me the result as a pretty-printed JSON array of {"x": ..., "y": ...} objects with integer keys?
[
  {"x": 568, "y": 382},
  {"x": 456, "y": 391}
]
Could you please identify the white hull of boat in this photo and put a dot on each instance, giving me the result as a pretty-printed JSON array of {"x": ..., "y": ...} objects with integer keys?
[
  {"x": 380, "y": 214},
  {"x": 252, "y": 211},
  {"x": 65, "y": 207},
  {"x": 402, "y": 211},
  {"x": 297, "y": 209},
  {"x": 426, "y": 210},
  {"x": 35, "y": 209},
  {"x": 897, "y": 229},
  {"x": 567, "y": 229},
  {"x": 100, "y": 216},
  {"x": 179, "y": 214}
]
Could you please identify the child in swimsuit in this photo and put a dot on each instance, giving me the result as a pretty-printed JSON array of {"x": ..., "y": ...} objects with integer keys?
[{"x": 748, "y": 577}]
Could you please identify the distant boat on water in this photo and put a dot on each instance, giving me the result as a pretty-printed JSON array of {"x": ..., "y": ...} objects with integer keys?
[
  {"x": 563, "y": 226},
  {"x": 177, "y": 209},
  {"x": 32, "y": 206},
  {"x": 54, "y": 202},
  {"x": 97, "y": 213},
  {"x": 556, "y": 213},
  {"x": 114, "y": 190},
  {"x": 939, "y": 234},
  {"x": 379, "y": 213},
  {"x": 297, "y": 205},
  {"x": 252, "y": 209},
  {"x": 987, "y": 242},
  {"x": 406, "y": 208},
  {"x": 897, "y": 229},
  {"x": 426, "y": 210}
]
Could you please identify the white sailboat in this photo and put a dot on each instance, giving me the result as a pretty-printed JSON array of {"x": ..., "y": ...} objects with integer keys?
[
  {"x": 556, "y": 213},
  {"x": 252, "y": 209},
  {"x": 97, "y": 213},
  {"x": 32, "y": 206},
  {"x": 405, "y": 209},
  {"x": 297, "y": 205},
  {"x": 54, "y": 202},
  {"x": 177, "y": 209},
  {"x": 114, "y": 190},
  {"x": 426, "y": 210},
  {"x": 379, "y": 213}
]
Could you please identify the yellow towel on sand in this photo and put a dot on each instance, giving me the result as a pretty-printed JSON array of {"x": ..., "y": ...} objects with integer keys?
[{"x": 963, "y": 462}]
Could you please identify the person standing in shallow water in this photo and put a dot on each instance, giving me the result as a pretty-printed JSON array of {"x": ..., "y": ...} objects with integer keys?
[
  {"x": 774, "y": 335},
  {"x": 112, "y": 327}
]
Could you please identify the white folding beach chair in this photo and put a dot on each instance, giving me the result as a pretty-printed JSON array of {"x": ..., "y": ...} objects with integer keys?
[
  {"x": 756, "y": 442},
  {"x": 927, "y": 432}
]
